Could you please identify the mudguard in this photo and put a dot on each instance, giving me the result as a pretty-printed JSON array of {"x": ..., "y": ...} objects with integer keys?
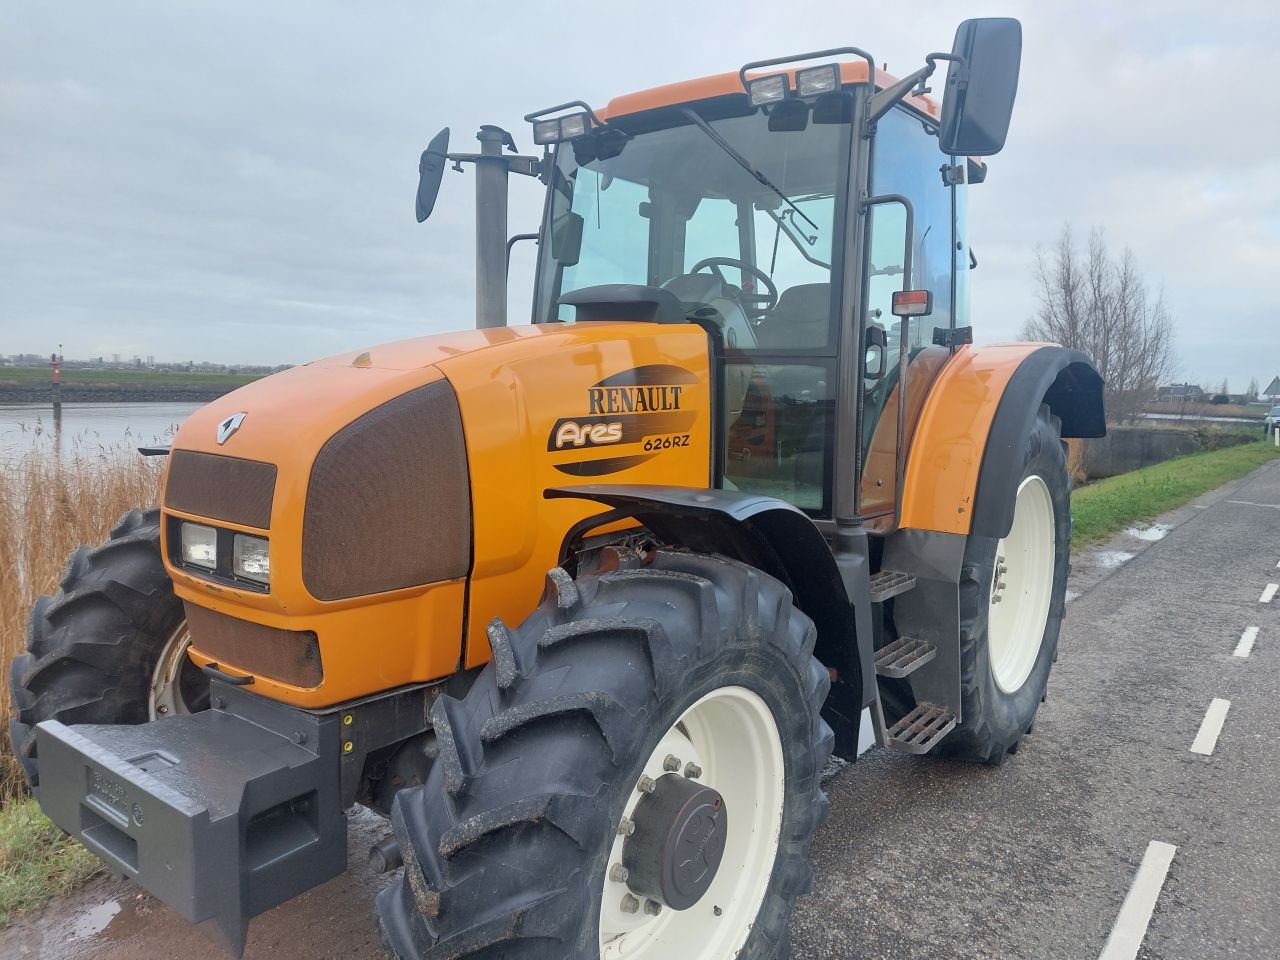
[
  {"x": 977, "y": 413},
  {"x": 780, "y": 540}
]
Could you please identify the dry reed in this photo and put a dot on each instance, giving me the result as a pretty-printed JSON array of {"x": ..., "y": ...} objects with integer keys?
[{"x": 49, "y": 505}]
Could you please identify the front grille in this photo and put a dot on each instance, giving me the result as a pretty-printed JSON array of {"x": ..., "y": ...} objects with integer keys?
[
  {"x": 221, "y": 488},
  {"x": 289, "y": 656},
  {"x": 389, "y": 501}
]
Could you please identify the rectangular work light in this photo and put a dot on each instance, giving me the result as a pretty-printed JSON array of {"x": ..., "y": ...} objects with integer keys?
[
  {"x": 815, "y": 81},
  {"x": 199, "y": 545},
  {"x": 766, "y": 90},
  {"x": 559, "y": 129},
  {"x": 250, "y": 558}
]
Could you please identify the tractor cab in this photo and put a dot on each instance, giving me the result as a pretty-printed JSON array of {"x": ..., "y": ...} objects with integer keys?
[{"x": 809, "y": 215}]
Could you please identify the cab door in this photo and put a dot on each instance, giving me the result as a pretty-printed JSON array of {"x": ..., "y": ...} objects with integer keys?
[{"x": 902, "y": 359}]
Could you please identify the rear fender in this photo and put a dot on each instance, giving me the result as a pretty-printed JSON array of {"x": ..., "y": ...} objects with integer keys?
[
  {"x": 780, "y": 540},
  {"x": 973, "y": 423}
]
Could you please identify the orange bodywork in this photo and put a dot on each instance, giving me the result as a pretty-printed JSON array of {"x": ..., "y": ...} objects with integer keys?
[
  {"x": 513, "y": 386},
  {"x": 951, "y": 436},
  {"x": 724, "y": 84},
  {"x": 880, "y": 468}
]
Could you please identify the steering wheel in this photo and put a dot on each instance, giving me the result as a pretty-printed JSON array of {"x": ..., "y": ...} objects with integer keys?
[{"x": 758, "y": 303}]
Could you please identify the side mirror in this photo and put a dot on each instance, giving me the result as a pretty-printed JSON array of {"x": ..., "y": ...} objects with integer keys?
[
  {"x": 566, "y": 238},
  {"x": 978, "y": 101},
  {"x": 430, "y": 172}
]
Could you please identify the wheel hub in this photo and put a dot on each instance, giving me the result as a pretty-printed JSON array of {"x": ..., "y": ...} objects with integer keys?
[{"x": 679, "y": 839}]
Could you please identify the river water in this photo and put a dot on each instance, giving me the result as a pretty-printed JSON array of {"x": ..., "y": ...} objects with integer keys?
[{"x": 88, "y": 428}]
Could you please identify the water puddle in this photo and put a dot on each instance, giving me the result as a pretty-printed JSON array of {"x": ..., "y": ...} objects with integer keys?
[
  {"x": 93, "y": 921},
  {"x": 1150, "y": 532},
  {"x": 1110, "y": 559},
  {"x": 110, "y": 920}
]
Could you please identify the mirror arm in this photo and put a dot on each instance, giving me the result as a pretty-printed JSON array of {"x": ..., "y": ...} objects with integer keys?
[
  {"x": 884, "y": 101},
  {"x": 525, "y": 166}
]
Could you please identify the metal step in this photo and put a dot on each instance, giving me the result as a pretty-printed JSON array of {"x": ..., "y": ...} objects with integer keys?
[
  {"x": 921, "y": 729},
  {"x": 890, "y": 583},
  {"x": 905, "y": 655}
]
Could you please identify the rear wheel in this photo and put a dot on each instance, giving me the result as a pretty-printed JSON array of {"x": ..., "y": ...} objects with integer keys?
[
  {"x": 634, "y": 775},
  {"x": 109, "y": 647},
  {"x": 1012, "y": 600}
]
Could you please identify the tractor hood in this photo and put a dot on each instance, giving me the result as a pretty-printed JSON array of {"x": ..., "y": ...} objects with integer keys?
[{"x": 397, "y": 484}]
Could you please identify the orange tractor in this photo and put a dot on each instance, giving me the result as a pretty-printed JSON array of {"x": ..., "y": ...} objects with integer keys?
[{"x": 785, "y": 505}]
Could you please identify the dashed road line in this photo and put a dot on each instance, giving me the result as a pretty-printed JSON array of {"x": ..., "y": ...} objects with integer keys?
[
  {"x": 1269, "y": 592},
  {"x": 1140, "y": 903},
  {"x": 1245, "y": 645},
  {"x": 1210, "y": 727}
]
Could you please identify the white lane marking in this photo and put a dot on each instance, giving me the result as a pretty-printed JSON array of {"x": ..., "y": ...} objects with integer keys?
[
  {"x": 1250, "y": 503},
  {"x": 1246, "y": 642},
  {"x": 1140, "y": 903},
  {"x": 1211, "y": 726},
  {"x": 1269, "y": 592}
]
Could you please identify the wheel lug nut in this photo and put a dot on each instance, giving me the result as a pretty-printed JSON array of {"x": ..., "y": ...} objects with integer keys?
[
  {"x": 671, "y": 764},
  {"x": 645, "y": 784},
  {"x": 692, "y": 771},
  {"x": 630, "y": 904},
  {"x": 618, "y": 873},
  {"x": 626, "y": 827},
  {"x": 652, "y": 907}
]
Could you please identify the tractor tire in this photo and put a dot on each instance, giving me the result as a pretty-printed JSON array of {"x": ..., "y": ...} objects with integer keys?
[
  {"x": 546, "y": 831},
  {"x": 93, "y": 647},
  {"x": 1010, "y": 619}
]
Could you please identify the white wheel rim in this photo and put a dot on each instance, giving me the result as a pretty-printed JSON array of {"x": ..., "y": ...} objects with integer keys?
[
  {"x": 731, "y": 735},
  {"x": 166, "y": 699},
  {"x": 1021, "y": 587}
]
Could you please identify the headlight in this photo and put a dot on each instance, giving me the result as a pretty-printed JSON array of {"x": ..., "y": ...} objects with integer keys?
[
  {"x": 199, "y": 545},
  {"x": 250, "y": 558}
]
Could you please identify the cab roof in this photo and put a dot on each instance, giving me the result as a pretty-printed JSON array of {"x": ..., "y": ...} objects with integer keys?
[{"x": 726, "y": 84}]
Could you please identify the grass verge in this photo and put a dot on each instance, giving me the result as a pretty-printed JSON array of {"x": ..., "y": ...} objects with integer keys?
[
  {"x": 36, "y": 860},
  {"x": 1104, "y": 508}
]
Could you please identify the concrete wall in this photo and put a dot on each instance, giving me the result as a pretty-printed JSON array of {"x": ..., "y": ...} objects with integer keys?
[{"x": 1128, "y": 448}]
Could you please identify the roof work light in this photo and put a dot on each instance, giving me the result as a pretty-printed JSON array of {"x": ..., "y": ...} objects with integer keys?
[{"x": 559, "y": 129}]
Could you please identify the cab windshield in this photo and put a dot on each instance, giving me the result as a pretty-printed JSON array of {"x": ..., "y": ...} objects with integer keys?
[{"x": 675, "y": 210}]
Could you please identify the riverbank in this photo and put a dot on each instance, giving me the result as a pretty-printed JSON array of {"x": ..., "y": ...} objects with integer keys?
[{"x": 32, "y": 385}]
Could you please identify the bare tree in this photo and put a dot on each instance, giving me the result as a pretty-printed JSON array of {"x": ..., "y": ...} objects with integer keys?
[
  {"x": 1251, "y": 393},
  {"x": 1101, "y": 304}
]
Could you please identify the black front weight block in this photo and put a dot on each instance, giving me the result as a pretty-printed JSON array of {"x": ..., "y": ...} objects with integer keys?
[{"x": 222, "y": 814}]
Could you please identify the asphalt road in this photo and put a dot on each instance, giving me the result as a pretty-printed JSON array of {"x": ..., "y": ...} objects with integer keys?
[{"x": 933, "y": 859}]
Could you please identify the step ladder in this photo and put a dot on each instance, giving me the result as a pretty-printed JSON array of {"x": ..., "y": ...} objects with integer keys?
[
  {"x": 920, "y": 730},
  {"x": 904, "y": 656},
  {"x": 890, "y": 583}
]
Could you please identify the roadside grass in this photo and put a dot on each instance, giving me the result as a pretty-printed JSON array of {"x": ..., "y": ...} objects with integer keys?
[
  {"x": 107, "y": 379},
  {"x": 1104, "y": 508},
  {"x": 37, "y": 861}
]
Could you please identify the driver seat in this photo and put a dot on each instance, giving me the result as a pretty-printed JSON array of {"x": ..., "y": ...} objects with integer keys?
[{"x": 800, "y": 319}]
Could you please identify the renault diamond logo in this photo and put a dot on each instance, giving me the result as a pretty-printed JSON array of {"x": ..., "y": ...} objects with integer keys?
[{"x": 229, "y": 426}]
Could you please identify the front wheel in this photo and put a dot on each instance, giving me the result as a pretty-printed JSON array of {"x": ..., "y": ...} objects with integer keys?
[
  {"x": 634, "y": 775},
  {"x": 109, "y": 647}
]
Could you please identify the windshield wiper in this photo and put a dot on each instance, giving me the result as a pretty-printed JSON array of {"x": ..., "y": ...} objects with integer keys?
[
  {"x": 743, "y": 162},
  {"x": 787, "y": 228}
]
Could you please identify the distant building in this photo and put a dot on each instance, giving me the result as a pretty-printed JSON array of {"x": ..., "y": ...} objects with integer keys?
[{"x": 1182, "y": 393}]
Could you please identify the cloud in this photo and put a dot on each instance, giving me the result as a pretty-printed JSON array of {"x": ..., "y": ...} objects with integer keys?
[{"x": 234, "y": 181}]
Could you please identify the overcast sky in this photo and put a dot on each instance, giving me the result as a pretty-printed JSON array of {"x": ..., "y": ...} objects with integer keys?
[{"x": 234, "y": 181}]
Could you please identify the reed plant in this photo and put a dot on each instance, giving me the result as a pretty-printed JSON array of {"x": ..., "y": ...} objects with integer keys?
[{"x": 54, "y": 496}]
